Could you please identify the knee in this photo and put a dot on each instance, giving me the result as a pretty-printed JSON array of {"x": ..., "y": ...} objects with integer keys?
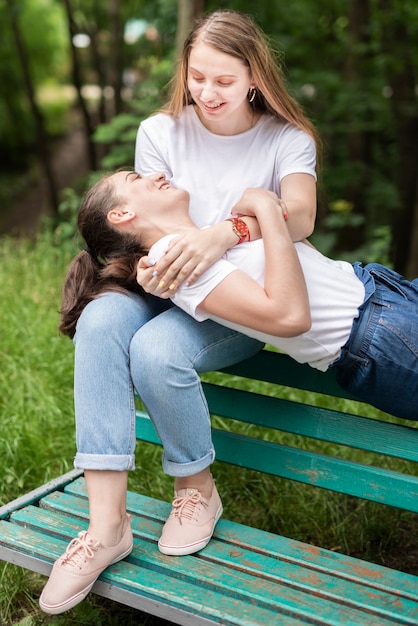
[
  {"x": 155, "y": 357},
  {"x": 98, "y": 315},
  {"x": 112, "y": 314}
]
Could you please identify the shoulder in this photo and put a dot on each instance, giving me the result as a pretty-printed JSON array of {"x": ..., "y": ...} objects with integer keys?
[
  {"x": 166, "y": 121},
  {"x": 272, "y": 125},
  {"x": 156, "y": 122}
]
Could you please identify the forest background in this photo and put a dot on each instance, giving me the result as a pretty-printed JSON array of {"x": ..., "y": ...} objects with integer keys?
[
  {"x": 76, "y": 78},
  {"x": 353, "y": 65}
]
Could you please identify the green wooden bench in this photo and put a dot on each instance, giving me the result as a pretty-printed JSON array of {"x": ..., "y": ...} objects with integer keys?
[{"x": 247, "y": 576}]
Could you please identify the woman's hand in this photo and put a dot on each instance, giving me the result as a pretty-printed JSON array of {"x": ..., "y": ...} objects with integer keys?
[
  {"x": 188, "y": 256},
  {"x": 297, "y": 202},
  {"x": 253, "y": 200},
  {"x": 147, "y": 277}
]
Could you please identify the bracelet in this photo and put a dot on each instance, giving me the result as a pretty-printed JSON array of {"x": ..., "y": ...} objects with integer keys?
[{"x": 240, "y": 228}]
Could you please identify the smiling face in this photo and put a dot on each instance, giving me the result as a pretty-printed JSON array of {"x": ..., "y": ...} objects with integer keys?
[
  {"x": 219, "y": 85},
  {"x": 148, "y": 194}
]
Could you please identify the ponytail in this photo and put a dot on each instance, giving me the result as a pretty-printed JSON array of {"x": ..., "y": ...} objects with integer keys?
[{"x": 108, "y": 263}]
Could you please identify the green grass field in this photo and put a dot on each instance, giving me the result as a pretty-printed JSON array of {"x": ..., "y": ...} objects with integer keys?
[{"x": 37, "y": 444}]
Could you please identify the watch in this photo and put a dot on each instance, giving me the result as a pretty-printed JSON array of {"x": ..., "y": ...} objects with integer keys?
[{"x": 240, "y": 228}]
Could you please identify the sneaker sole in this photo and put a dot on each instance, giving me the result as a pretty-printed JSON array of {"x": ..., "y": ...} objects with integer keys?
[{"x": 190, "y": 548}]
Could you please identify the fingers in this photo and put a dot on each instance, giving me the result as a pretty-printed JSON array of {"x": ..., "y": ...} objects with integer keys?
[
  {"x": 152, "y": 281},
  {"x": 165, "y": 284},
  {"x": 181, "y": 270}
]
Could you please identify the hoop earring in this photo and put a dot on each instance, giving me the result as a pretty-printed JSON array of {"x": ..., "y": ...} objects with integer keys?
[{"x": 252, "y": 94}]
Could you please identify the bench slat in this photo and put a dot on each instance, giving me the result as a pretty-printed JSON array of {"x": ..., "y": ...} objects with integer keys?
[
  {"x": 280, "y": 369},
  {"x": 284, "y": 587},
  {"x": 246, "y": 576},
  {"x": 156, "y": 512},
  {"x": 313, "y": 468},
  {"x": 316, "y": 422}
]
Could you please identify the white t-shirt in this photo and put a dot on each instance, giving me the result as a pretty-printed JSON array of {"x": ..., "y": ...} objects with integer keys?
[
  {"x": 335, "y": 293},
  {"x": 215, "y": 169}
]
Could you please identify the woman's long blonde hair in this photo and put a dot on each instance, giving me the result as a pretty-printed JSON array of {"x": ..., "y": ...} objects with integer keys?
[{"x": 236, "y": 34}]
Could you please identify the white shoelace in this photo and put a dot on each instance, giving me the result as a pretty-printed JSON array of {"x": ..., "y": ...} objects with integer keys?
[
  {"x": 79, "y": 550},
  {"x": 187, "y": 506}
]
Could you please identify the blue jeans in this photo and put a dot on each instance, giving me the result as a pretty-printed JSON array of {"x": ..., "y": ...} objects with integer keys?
[
  {"x": 124, "y": 342},
  {"x": 379, "y": 363}
]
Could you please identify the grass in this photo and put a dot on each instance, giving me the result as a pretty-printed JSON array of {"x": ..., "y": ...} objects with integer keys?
[{"x": 37, "y": 444}]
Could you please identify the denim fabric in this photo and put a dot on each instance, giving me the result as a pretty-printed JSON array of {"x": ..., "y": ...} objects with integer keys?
[
  {"x": 379, "y": 363},
  {"x": 167, "y": 356},
  {"x": 103, "y": 390},
  {"x": 160, "y": 345}
]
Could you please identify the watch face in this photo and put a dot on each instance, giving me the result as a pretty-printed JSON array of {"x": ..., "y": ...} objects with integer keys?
[{"x": 240, "y": 228}]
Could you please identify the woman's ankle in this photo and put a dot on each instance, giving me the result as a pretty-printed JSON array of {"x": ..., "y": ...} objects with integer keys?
[
  {"x": 203, "y": 482},
  {"x": 108, "y": 531}
]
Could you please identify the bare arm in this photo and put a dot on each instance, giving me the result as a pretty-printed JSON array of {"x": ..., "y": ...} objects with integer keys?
[
  {"x": 282, "y": 306},
  {"x": 298, "y": 192},
  {"x": 193, "y": 252},
  {"x": 189, "y": 255}
]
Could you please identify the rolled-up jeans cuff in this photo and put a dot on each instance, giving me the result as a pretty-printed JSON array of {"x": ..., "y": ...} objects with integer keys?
[
  {"x": 112, "y": 462},
  {"x": 188, "y": 469}
]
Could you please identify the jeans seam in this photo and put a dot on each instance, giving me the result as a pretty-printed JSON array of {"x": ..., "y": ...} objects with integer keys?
[
  {"x": 212, "y": 345},
  {"x": 400, "y": 336}
]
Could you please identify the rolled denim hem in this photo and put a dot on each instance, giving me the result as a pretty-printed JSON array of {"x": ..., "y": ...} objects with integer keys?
[
  {"x": 112, "y": 462},
  {"x": 188, "y": 469}
]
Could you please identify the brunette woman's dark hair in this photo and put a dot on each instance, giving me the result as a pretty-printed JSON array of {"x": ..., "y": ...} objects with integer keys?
[{"x": 108, "y": 263}]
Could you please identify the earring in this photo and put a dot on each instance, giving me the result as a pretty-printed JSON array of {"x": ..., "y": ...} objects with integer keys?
[{"x": 252, "y": 94}]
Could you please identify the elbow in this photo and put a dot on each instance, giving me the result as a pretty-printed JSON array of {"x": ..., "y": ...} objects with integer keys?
[
  {"x": 306, "y": 225},
  {"x": 299, "y": 324},
  {"x": 309, "y": 225},
  {"x": 304, "y": 324},
  {"x": 291, "y": 325}
]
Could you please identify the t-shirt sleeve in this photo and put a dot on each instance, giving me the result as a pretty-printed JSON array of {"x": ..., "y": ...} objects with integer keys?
[
  {"x": 151, "y": 146},
  {"x": 298, "y": 155},
  {"x": 189, "y": 298}
]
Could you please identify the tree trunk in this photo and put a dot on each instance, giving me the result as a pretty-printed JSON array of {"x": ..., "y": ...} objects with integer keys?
[
  {"x": 187, "y": 11},
  {"x": 77, "y": 81},
  {"x": 412, "y": 266},
  {"x": 402, "y": 79},
  {"x": 42, "y": 138},
  {"x": 99, "y": 67},
  {"x": 358, "y": 141},
  {"x": 116, "y": 54}
]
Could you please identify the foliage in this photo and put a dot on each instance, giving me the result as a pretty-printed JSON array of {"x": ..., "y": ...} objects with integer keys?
[
  {"x": 342, "y": 61},
  {"x": 42, "y": 26},
  {"x": 120, "y": 133}
]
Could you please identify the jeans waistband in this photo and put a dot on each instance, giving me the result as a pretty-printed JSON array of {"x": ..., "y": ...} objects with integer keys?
[{"x": 377, "y": 279}]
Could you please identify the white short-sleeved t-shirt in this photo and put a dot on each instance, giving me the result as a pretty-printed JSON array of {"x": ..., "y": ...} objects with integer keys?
[
  {"x": 335, "y": 294},
  {"x": 215, "y": 169}
]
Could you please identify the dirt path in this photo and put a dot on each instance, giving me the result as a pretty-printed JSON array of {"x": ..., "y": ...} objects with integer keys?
[{"x": 69, "y": 162}]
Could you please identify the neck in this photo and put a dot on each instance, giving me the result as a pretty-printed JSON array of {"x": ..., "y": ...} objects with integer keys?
[
  {"x": 155, "y": 231},
  {"x": 233, "y": 125}
]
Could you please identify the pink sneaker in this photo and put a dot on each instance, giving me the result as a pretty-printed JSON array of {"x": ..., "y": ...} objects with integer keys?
[
  {"x": 191, "y": 523},
  {"x": 76, "y": 571}
]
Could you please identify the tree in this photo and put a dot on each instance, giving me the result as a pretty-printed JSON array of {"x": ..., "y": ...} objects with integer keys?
[
  {"x": 399, "y": 32},
  {"x": 188, "y": 10},
  {"x": 41, "y": 133},
  {"x": 89, "y": 125}
]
